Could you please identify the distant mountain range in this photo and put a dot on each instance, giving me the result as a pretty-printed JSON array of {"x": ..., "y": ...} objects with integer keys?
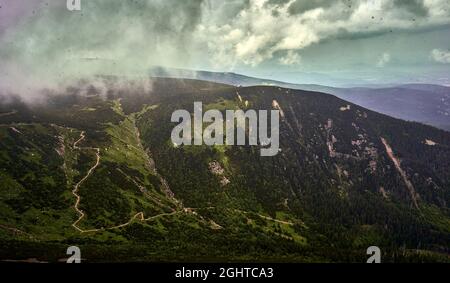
[{"x": 424, "y": 103}]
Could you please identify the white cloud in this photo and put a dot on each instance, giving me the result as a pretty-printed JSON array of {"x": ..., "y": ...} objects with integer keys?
[
  {"x": 383, "y": 60},
  {"x": 259, "y": 30},
  {"x": 441, "y": 56},
  {"x": 201, "y": 33},
  {"x": 437, "y": 8},
  {"x": 291, "y": 58}
]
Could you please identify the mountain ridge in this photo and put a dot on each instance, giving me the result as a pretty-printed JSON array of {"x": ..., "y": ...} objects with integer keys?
[
  {"x": 330, "y": 193},
  {"x": 425, "y": 103}
]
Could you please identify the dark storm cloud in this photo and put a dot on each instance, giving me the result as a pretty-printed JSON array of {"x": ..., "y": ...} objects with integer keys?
[{"x": 415, "y": 7}]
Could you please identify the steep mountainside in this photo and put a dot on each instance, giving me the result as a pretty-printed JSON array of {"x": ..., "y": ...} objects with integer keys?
[
  {"x": 95, "y": 167},
  {"x": 424, "y": 103}
]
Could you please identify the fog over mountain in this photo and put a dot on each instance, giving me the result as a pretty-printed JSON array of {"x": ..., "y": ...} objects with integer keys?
[
  {"x": 42, "y": 44},
  {"x": 88, "y": 158},
  {"x": 99, "y": 170}
]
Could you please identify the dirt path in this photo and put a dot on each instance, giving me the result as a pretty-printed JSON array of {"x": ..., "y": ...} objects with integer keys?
[
  {"x": 247, "y": 212},
  {"x": 276, "y": 220},
  {"x": 77, "y": 186},
  {"x": 397, "y": 164},
  {"x": 8, "y": 113},
  {"x": 139, "y": 216},
  {"x": 267, "y": 218}
]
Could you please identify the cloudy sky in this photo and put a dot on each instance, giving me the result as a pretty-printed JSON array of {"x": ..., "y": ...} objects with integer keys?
[{"x": 341, "y": 42}]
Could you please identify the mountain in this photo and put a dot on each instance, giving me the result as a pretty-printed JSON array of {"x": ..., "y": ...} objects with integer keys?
[
  {"x": 424, "y": 103},
  {"x": 428, "y": 104},
  {"x": 96, "y": 168},
  {"x": 220, "y": 77}
]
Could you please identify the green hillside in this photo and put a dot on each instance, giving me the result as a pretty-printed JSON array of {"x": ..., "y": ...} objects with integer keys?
[{"x": 99, "y": 170}]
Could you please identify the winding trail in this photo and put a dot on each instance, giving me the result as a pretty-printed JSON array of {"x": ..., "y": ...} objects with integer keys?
[
  {"x": 247, "y": 212},
  {"x": 139, "y": 216},
  {"x": 267, "y": 217},
  {"x": 77, "y": 186},
  {"x": 8, "y": 113},
  {"x": 276, "y": 220}
]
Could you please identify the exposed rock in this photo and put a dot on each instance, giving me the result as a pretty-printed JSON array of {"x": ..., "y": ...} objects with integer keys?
[
  {"x": 217, "y": 170},
  {"x": 278, "y": 107},
  {"x": 345, "y": 108}
]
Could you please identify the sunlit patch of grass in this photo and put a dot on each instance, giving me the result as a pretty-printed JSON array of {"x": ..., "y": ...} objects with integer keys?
[{"x": 222, "y": 105}]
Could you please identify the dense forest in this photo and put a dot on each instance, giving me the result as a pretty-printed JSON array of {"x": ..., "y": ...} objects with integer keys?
[{"x": 98, "y": 170}]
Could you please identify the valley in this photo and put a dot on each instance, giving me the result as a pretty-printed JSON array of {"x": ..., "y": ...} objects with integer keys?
[{"x": 100, "y": 172}]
